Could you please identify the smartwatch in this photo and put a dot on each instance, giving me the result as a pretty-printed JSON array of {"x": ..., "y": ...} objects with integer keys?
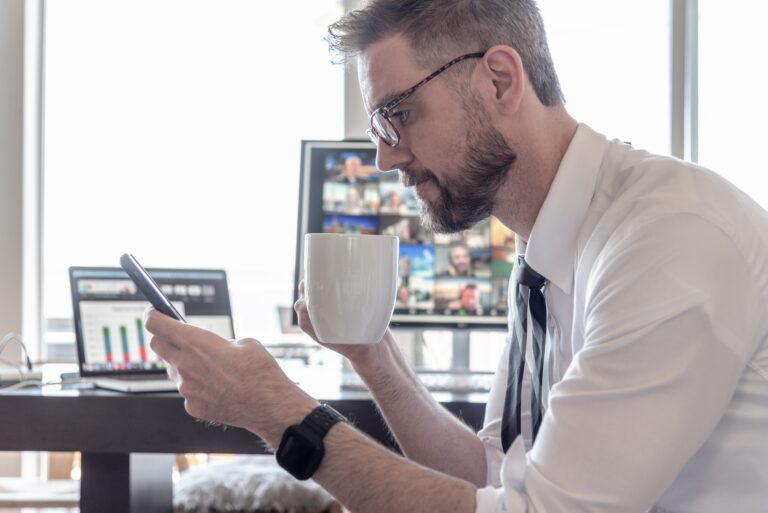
[{"x": 301, "y": 449}]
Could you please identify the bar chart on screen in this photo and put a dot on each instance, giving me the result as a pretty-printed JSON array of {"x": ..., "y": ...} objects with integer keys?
[{"x": 114, "y": 333}]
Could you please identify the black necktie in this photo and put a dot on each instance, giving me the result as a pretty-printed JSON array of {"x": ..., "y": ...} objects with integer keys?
[{"x": 528, "y": 294}]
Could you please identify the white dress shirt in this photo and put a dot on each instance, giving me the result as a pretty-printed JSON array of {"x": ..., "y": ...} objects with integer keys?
[{"x": 656, "y": 344}]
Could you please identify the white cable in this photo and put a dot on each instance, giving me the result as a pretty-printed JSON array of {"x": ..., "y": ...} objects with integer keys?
[
  {"x": 21, "y": 384},
  {"x": 10, "y": 337},
  {"x": 8, "y": 362},
  {"x": 7, "y": 339},
  {"x": 13, "y": 366},
  {"x": 28, "y": 383}
]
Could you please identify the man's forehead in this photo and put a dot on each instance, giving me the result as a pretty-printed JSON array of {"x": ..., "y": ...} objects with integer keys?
[{"x": 386, "y": 69}]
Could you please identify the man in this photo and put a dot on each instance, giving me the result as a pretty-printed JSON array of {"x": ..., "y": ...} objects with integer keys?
[
  {"x": 470, "y": 298},
  {"x": 651, "y": 367},
  {"x": 350, "y": 172},
  {"x": 459, "y": 260},
  {"x": 403, "y": 297}
]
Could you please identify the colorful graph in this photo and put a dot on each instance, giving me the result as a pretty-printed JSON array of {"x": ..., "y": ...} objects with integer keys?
[
  {"x": 114, "y": 333},
  {"x": 107, "y": 343},
  {"x": 142, "y": 348}
]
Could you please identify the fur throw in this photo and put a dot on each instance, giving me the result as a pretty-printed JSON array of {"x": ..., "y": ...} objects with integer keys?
[{"x": 246, "y": 484}]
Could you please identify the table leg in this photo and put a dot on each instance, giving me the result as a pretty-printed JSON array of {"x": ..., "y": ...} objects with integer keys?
[{"x": 126, "y": 483}]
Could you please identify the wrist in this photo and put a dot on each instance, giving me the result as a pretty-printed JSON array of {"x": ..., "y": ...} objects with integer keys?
[
  {"x": 302, "y": 447},
  {"x": 377, "y": 359},
  {"x": 291, "y": 409}
]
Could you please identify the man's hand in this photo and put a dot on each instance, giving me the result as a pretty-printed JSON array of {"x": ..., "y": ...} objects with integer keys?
[
  {"x": 356, "y": 353},
  {"x": 232, "y": 382}
]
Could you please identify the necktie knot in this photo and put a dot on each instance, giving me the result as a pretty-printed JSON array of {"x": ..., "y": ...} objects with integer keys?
[{"x": 525, "y": 275}]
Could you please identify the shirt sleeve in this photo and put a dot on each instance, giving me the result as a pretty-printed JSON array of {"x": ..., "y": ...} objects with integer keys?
[
  {"x": 490, "y": 434},
  {"x": 664, "y": 346}
]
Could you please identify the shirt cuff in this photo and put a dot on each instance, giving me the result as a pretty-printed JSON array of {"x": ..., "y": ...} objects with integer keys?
[
  {"x": 509, "y": 498},
  {"x": 490, "y": 500},
  {"x": 514, "y": 467},
  {"x": 494, "y": 455}
]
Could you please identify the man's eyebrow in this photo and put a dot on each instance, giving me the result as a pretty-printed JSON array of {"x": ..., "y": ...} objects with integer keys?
[
  {"x": 408, "y": 103},
  {"x": 385, "y": 100}
]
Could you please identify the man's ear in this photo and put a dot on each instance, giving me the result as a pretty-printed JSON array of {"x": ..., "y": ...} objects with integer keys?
[{"x": 501, "y": 78}]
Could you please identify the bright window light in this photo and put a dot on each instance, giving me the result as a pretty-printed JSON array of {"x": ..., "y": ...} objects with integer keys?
[
  {"x": 172, "y": 131},
  {"x": 613, "y": 60},
  {"x": 732, "y": 84}
]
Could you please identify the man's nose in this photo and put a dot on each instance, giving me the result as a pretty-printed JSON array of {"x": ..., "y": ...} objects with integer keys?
[{"x": 389, "y": 158}]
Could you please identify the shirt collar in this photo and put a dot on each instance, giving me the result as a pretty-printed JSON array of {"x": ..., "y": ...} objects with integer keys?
[{"x": 551, "y": 248}]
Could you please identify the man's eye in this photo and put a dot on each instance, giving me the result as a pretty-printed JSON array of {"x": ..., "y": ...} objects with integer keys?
[{"x": 401, "y": 116}]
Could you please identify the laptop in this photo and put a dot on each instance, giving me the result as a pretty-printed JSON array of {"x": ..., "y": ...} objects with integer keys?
[{"x": 112, "y": 344}]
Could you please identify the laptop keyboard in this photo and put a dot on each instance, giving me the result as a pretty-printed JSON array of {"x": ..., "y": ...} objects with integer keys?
[{"x": 140, "y": 377}]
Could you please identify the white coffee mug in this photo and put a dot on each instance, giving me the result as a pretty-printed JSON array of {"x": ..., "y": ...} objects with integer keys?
[{"x": 350, "y": 285}]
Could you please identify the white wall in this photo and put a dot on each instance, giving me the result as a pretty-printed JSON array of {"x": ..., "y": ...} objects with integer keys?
[
  {"x": 11, "y": 158},
  {"x": 355, "y": 118}
]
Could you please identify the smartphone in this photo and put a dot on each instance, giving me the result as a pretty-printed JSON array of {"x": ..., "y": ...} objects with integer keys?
[{"x": 148, "y": 287}]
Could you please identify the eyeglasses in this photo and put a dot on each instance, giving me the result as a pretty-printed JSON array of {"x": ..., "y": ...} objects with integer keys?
[{"x": 382, "y": 128}]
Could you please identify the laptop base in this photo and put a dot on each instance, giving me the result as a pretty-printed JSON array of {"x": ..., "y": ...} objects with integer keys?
[{"x": 126, "y": 385}]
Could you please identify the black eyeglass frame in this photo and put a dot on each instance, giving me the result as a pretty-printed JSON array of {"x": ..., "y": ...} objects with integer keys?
[{"x": 385, "y": 111}]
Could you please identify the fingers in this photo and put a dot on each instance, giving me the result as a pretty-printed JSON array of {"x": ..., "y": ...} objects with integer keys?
[
  {"x": 164, "y": 348},
  {"x": 180, "y": 334},
  {"x": 306, "y": 326},
  {"x": 173, "y": 374},
  {"x": 162, "y": 325},
  {"x": 300, "y": 307},
  {"x": 301, "y": 303}
]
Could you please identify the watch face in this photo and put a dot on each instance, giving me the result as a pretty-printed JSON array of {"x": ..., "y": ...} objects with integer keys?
[{"x": 300, "y": 451}]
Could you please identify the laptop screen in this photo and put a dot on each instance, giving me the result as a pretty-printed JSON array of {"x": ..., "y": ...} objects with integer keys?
[{"x": 109, "y": 310}]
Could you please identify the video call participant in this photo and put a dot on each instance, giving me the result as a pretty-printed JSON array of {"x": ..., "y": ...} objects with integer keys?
[
  {"x": 467, "y": 300},
  {"x": 459, "y": 260},
  {"x": 652, "y": 271},
  {"x": 392, "y": 204},
  {"x": 351, "y": 171},
  {"x": 353, "y": 200},
  {"x": 404, "y": 267},
  {"x": 404, "y": 229},
  {"x": 470, "y": 298},
  {"x": 403, "y": 296}
]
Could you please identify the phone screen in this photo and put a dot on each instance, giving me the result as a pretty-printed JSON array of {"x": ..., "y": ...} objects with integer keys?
[{"x": 148, "y": 287}]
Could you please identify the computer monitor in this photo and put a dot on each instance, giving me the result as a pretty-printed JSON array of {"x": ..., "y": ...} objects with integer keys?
[{"x": 457, "y": 280}]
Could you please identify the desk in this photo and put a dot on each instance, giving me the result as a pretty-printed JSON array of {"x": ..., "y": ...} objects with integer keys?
[{"x": 126, "y": 439}]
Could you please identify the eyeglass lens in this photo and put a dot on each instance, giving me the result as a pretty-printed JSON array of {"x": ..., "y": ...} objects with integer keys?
[{"x": 384, "y": 129}]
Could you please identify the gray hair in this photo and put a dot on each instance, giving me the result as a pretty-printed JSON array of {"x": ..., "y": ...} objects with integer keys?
[{"x": 439, "y": 30}]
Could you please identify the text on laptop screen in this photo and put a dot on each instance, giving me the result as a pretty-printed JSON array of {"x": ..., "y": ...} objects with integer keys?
[{"x": 109, "y": 314}]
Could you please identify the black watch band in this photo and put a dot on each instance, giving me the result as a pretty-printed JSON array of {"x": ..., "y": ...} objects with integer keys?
[{"x": 301, "y": 448}]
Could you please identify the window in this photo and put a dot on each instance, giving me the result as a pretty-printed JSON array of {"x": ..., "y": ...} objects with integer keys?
[
  {"x": 172, "y": 131},
  {"x": 613, "y": 61},
  {"x": 732, "y": 84}
]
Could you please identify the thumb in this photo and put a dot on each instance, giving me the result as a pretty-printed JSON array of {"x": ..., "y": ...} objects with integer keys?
[{"x": 160, "y": 324}]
